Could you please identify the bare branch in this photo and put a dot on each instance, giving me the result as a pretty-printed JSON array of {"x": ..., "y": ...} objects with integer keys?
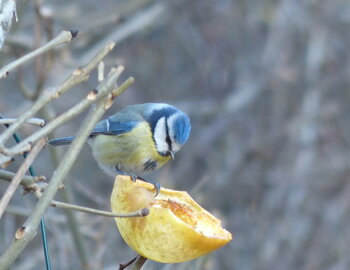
[
  {"x": 5, "y": 161},
  {"x": 76, "y": 77},
  {"x": 63, "y": 37},
  {"x": 70, "y": 114},
  {"x": 140, "y": 213},
  {"x": 19, "y": 175},
  {"x": 123, "y": 266},
  {"x": 27, "y": 180},
  {"x": 140, "y": 261},
  {"x": 30, "y": 184},
  {"x": 33, "y": 121}
]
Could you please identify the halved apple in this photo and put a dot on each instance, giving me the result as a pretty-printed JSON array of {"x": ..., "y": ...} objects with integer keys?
[{"x": 177, "y": 229}]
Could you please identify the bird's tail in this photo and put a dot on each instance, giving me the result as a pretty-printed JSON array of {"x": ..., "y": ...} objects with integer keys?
[{"x": 61, "y": 141}]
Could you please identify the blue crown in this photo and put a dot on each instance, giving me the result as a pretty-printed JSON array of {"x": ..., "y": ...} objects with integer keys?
[{"x": 182, "y": 128}]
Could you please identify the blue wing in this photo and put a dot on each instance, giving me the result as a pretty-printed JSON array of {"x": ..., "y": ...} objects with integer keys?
[
  {"x": 110, "y": 127},
  {"x": 117, "y": 124},
  {"x": 105, "y": 127}
]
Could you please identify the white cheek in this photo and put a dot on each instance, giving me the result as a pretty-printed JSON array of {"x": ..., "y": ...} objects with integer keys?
[
  {"x": 160, "y": 136},
  {"x": 171, "y": 120}
]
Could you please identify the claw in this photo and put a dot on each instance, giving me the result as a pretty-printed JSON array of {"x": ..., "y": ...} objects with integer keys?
[
  {"x": 157, "y": 188},
  {"x": 134, "y": 177},
  {"x": 155, "y": 184}
]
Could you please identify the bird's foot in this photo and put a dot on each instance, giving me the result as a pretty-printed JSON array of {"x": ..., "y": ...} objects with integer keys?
[
  {"x": 134, "y": 177},
  {"x": 155, "y": 184}
]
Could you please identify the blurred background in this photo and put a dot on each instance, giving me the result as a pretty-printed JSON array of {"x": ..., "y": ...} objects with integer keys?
[{"x": 266, "y": 85}]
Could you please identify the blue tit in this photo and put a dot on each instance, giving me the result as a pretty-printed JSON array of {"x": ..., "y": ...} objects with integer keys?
[{"x": 137, "y": 140}]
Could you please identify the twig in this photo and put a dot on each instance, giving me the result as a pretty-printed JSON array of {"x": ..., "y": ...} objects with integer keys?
[
  {"x": 19, "y": 175},
  {"x": 70, "y": 114},
  {"x": 140, "y": 213},
  {"x": 140, "y": 261},
  {"x": 26, "y": 233},
  {"x": 63, "y": 37},
  {"x": 123, "y": 266},
  {"x": 33, "y": 121},
  {"x": 5, "y": 161},
  {"x": 26, "y": 181},
  {"x": 75, "y": 78},
  {"x": 29, "y": 183}
]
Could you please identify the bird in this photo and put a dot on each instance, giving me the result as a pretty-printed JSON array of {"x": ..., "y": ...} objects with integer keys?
[{"x": 137, "y": 140}]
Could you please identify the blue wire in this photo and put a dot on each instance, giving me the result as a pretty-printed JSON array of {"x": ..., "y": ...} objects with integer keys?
[
  {"x": 42, "y": 221},
  {"x": 45, "y": 245}
]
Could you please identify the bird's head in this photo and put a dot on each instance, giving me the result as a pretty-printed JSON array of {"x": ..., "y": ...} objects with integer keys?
[{"x": 171, "y": 128}]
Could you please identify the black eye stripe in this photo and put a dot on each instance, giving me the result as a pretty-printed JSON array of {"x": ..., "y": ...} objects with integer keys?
[{"x": 167, "y": 139}]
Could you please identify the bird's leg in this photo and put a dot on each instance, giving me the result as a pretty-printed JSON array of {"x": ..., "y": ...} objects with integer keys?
[
  {"x": 134, "y": 177},
  {"x": 155, "y": 184}
]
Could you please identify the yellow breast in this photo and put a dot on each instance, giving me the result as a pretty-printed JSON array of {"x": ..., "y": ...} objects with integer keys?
[{"x": 132, "y": 152}]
